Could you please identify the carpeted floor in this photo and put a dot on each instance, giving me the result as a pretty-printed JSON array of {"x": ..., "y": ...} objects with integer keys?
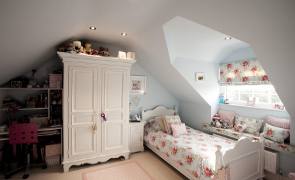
[
  {"x": 152, "y": 165},
  {"x": 156, "y": 168}
]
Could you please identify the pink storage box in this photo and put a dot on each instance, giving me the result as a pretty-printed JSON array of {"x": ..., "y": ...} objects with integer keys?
[
  {"x": 52, "y": 150},
  {"x": 55, "y": 80}
]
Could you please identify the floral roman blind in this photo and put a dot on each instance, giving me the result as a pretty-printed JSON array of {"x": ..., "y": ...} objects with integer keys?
[{"x": 242, "y": 72}]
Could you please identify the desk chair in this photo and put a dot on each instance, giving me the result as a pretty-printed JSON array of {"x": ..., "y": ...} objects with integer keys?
[{"x": 25, "y": 134}]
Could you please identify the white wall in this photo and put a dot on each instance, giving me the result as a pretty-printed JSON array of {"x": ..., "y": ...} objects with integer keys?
[
  {"x": 209, "y": 88},
  {"x": 155, "y": 94},
  {"x": 195, "y": 114},
  {"x": 240, "y": 54}
]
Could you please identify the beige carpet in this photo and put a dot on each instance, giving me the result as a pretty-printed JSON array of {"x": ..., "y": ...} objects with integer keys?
[
  {"x": 127, "y": 170},
  {"x": 156, "y": 168}
]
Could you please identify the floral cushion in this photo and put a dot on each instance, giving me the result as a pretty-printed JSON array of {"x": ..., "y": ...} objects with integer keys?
[
  {"x": 168, "y": 120},
  {"x": 154, "y": 124},
  {"x": 178, "y": 129},
  {"x": 275, "y": 133},
  {"x": 160, "y": 122},
  {"x": 253, "y": 125},
  {"x": 240, "y": 126}
]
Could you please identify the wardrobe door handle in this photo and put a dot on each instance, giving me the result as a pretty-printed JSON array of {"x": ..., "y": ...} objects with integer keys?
[{"x": 103, "y": 116}]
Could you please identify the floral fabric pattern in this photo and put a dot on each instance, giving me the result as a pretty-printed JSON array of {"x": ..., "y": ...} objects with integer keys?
[
  {"x": 242, "y": 72},
  {"x": 275, "y": 133},
  {"x": 194, "y": 151},
  {"x": 240, "y": 127},
  {"x": 253, "y": 125}
]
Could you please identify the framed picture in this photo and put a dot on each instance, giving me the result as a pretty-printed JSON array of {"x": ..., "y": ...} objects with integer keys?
[
  {"x": 138, "y": 84},
  {"x": 199, "y": 76}
]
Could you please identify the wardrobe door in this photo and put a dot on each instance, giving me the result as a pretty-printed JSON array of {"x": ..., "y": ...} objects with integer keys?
[
  {"x": 84, "y": 122},
  {"x": 115, "y": 108}
]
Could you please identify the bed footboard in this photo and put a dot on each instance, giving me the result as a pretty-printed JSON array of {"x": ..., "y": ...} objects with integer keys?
[{"x": 244, "y": 161}]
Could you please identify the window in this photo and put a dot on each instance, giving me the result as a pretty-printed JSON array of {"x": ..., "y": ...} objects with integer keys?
[{"x": 263, "y": 96}]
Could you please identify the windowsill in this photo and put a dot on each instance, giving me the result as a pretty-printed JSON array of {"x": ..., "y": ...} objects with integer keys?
[{"x": 252, "y": 107}]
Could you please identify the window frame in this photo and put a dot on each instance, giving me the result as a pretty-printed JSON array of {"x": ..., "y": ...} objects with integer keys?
[{"x": 258, "y": 104}]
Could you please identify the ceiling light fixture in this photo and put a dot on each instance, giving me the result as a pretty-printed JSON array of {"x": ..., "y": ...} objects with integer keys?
[
  {"x": 227, "y": 38},
  {"x": 123, "y": 34},
  {"x": 92, "y": 28}
]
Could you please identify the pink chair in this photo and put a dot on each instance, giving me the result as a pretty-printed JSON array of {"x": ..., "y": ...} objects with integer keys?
[{"x": 25, "y": 134}]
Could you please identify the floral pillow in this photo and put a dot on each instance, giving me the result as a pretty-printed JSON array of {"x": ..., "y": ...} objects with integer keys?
[
  {"x": 253, "y": 125},
  {"x": 275, "y": 133},
  {"x": 240, "y": 126},
  {"x": 168, "y": 120},
  {"x": 154, "y": 124}
]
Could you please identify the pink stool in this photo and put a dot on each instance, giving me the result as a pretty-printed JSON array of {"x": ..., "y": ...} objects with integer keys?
[{"x": 23, "y": 134}]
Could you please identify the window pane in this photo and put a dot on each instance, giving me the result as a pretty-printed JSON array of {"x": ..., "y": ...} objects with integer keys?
[
  {"x": 244, "y": 97},
  {"x": 265, "y": 95},
  {"x": 261, "y": 98}
]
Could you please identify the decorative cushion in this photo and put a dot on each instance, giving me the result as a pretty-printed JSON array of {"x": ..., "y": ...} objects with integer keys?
[
  {"x": 275, "y": 133},
  {"x": 240, "y": 126},
  {"x": 154, "y": 124},
  {"x": 178, "y": 129},
  {"x": 168, "y": 120},
  {"x": 278, "y": 122},
  {"x": 227, "y": 117},
  {"x": 160, "y": 121},
  {"x": 253, "y": 125}
]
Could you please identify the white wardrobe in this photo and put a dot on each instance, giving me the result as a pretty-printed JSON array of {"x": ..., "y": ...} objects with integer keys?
[{"x": 95, "y": 108}]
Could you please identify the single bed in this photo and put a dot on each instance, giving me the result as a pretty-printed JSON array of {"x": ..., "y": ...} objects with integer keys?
[{"x": 198, "y": 155}]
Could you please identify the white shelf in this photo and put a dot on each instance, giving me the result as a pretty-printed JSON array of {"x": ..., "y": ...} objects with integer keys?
[
  {"x": 24, "y": 109},
  {"x": 32, "y": 89}
]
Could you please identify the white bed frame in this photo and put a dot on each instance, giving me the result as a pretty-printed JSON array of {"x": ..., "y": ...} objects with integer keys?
[{"x": 243, "y": 162}]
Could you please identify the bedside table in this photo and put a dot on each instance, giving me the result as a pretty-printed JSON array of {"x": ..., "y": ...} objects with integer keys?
[{"x": 136, "y": 136}]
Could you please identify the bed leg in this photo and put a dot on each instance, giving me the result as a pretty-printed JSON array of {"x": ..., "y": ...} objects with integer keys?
[{"x": 218, "y": 162}]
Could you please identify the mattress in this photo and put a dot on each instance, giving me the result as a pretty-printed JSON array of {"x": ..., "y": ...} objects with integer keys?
[{"x": 194, "y": 152}]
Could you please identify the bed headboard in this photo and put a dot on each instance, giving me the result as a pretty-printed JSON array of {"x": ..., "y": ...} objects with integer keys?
[{"x": 157, "y": 111}]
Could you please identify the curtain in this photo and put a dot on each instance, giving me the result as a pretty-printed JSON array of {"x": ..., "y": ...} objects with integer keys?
[{"x": 242, "y": 72}]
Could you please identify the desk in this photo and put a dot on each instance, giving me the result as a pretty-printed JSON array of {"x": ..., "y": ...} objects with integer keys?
[{"x": 45, "y": 135}]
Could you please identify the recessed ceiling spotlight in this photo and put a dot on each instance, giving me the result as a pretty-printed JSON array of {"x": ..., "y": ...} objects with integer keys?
[
  {"x": 227, "y": 38},
  {"x": 92, "y": 28},
  {"x": 123, "y": 34}
]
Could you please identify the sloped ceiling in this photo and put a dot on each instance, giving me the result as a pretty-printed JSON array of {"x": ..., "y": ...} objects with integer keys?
[
  {"x": 31, "y": 29},
  {"x": 189, "y": 40}
]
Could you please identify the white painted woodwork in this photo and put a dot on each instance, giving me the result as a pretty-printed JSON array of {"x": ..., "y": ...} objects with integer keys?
[
  {"x": 136, "y": 136},
  {"x": 94, "y": 85},
  {"x": 271, "y": 159},
  {"x": 115, "y": 106}
]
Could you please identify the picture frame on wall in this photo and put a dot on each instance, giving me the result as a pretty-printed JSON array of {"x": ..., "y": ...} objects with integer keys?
[
  {"x": 138, "y": 84},
  {"x": 200, "y": 76}
]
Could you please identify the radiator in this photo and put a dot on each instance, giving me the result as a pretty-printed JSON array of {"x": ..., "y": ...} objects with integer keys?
[{"x": 271, "y": 161}]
